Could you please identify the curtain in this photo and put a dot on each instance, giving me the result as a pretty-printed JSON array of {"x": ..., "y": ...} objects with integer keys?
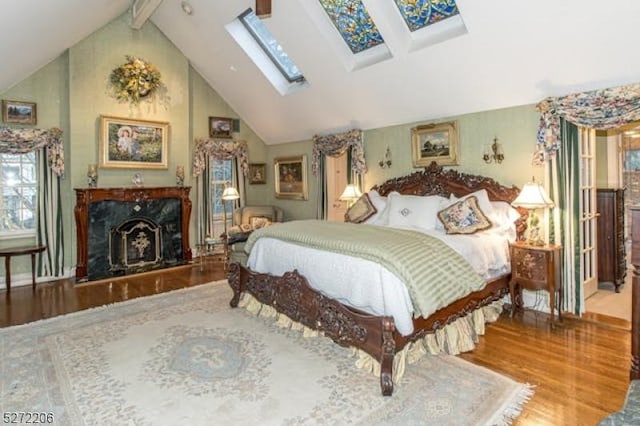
[
  {"x": 50, "y": 163},
  {"x": 557, "y": 148},
  {"x": 50, "y": 224},
  {"x": 335, "y": 145},
  {"x": 565, "y": 220},
  {"x": 205, "y": 151}
]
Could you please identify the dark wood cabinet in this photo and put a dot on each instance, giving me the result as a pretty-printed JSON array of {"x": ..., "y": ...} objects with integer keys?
[
  {"x": 535, "y": 268},
  {"x": 612, "y": 265}
]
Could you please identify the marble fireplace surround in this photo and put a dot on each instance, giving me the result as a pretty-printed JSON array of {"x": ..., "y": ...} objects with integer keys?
[{"x": 99, "y": 212}]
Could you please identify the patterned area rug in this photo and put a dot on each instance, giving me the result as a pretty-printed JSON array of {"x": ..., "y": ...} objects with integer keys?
[{"x": 185, "y": 357}]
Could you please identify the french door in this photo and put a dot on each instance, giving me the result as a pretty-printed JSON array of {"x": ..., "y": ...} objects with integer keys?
[{"x": 588, "y": 212}]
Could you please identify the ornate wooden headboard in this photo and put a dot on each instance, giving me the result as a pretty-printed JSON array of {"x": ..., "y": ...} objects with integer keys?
[{"x": 434, "y": 180}]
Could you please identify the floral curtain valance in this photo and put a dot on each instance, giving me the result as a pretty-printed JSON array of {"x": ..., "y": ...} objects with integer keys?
[
  {"x": 336, "y": 144},
  {"x": 599, "y": 109},
  {"x": 220, "y": 149},
  {"x": 22, "y": 141}
]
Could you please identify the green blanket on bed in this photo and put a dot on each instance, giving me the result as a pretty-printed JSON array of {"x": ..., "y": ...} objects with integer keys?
[{"x": 434, "y": 273}]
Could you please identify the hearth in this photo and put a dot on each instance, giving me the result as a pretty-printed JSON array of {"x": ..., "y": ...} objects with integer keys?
[{"x": 122, "y": 231}]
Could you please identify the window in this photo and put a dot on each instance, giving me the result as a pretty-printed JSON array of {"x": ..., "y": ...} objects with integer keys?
[
  {"x": 266, "y": 52},
  {"x": 419, "y": 14},
  {"x": 353, "y": 22},
  {"x": 350, "y": 31},
  {"x": 19, "y": 183},
  {"x": 271, "y": 47},
  {"x": 220, "y": 174}
]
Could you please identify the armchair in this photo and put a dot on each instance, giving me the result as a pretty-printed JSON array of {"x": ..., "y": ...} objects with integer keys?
[{"x": 246, "y": 219}]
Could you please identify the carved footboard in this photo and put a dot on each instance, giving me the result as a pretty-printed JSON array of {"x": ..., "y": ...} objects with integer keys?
[{"x": 292, "y": 296}]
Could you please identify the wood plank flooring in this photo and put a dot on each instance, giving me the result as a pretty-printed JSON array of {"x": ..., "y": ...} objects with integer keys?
[{"x": 580, "y": 368}]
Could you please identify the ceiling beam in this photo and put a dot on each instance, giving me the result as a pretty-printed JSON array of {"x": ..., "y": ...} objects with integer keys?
[{"x": 141, "y": 10}]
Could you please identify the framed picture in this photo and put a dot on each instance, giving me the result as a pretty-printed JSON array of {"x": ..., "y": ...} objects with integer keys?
[
  {"x": 220, "y": 127},
  {"x": 257, "y": 173},
  {"x": 133, "y": 144},
  {"x": 291, "y": 177},
  {"x": 435, "y": 142},
  {"x": 19, "y": 112}
]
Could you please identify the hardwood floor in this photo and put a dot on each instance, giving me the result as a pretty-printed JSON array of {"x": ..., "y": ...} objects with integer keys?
[{"x": 580, "y": 368}]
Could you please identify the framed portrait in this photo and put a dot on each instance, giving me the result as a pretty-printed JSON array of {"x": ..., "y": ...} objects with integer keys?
[
  {"x": 435, "y": 142},
  {"x": 19, "y": 112},
  {"x": 220, "y": 127},
  {"x": 133, "y": 144},
  {"x": 257, "y": 173},
  {"x": 291, "y": 177}
]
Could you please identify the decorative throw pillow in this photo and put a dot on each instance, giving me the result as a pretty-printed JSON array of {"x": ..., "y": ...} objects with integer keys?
[
  {"x": 464, "y": 217},
  {"x": 258, "y": 222},
  {"x": 413, "y": 211},
  {"x": 361, "y": 210}
]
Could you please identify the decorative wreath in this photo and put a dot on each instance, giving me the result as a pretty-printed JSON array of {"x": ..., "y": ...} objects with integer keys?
[{"x": 135, "y": 80}]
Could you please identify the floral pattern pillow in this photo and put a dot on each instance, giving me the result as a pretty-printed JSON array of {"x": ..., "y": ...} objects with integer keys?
[
  {"x": 464, "y": 217},
  {"x": 361, "y": 210}
]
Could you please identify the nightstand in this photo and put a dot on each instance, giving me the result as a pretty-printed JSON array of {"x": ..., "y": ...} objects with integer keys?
[{"x": 535, "y": 268}]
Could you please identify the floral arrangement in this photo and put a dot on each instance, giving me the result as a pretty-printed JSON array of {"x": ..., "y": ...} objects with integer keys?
[{"x": 135, "y": 80}]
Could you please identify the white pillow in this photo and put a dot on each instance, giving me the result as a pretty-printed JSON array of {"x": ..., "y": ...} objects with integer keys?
[
  {"x": 503, "y": 214},
  {"x": 413, "y": 211},
  {"x": 381, "y": 217},
  {"x": 483, "y": 200},
  {"x": 379, "y": 202}
]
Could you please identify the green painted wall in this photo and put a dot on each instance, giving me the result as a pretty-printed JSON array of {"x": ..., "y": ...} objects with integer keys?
[
  {"x": 515, "y": 129},
  {"x": 71, "y": 93}
]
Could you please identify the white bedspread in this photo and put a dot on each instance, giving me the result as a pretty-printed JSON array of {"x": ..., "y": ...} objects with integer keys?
[{"x": 366, "y": 285}]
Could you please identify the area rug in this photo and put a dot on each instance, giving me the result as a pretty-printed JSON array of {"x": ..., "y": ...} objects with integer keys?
[{"x": 186, "y": 357}]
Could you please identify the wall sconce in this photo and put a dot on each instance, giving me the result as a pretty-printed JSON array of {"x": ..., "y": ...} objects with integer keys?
[
  {"x": 493, "y": 152},
  {"x": 385, "y": 163}
]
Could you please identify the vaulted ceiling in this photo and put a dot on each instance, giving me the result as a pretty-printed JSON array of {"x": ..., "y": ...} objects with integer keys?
[{"x": 514, "y": 53}]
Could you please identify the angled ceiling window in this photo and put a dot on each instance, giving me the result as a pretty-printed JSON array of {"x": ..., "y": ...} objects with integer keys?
[
  {"x": 422, "y": 13},
  {"x": 429, "y": 22},
  {"x": 354, "y": 23},
  {"x": 270, "y": 45},
  {"x": 266, "y": 52}
]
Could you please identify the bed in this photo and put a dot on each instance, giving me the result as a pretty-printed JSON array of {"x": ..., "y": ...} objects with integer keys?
[{"x": 291, "y": 294}]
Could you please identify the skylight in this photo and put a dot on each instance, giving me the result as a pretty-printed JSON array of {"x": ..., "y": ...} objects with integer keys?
[
  {"x": 354, "y": 23},
  {"x": 266, "y": 52},
  {"x": 270, "y": 45},
  {"x": 422, "y": 13}
]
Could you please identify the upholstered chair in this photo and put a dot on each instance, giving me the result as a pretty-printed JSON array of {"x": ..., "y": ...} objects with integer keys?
[{"x": 249, "y": 218}]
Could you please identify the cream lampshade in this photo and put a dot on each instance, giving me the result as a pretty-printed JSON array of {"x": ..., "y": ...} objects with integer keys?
[
  {"x": 532, "y": 197},
  {"x": 230, "y": 193},
  {"x": 350, "y": 194}
]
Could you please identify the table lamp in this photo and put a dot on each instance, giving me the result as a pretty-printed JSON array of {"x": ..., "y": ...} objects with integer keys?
[
  {"x": 230, "y": 193},
  {"x": 350, "y": 194},
  {"x": 532, "y": 197}
]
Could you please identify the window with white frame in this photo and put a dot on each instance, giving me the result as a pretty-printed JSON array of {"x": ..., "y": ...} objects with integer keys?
[
  {"x": 266, "y": 52},
  {"x": 19, "y": 183},
  {"x": 221, "y": 174}
]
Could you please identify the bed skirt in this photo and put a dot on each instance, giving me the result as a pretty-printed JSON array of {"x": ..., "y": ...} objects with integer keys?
[{"x": 458, "y": 336}]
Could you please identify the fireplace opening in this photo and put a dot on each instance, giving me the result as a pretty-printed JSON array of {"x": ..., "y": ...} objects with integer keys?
[{"x": 135, "y": 244}]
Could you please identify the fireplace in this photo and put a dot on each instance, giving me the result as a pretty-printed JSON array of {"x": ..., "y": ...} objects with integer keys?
[{"x": 123, "y": 231}]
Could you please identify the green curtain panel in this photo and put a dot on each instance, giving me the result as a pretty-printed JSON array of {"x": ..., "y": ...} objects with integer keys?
[{"x": 565, "y": 220}]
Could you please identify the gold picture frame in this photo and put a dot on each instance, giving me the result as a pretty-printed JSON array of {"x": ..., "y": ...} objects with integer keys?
[
  {"x": 435, "y": 142},
  {"x": 19, "y": 112},
  {"x": 220, "y": 127},
  {"x": 257, "y": 173},
  {"x": 291, "y": 177},
  {"x": 133, "y": 144}
]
